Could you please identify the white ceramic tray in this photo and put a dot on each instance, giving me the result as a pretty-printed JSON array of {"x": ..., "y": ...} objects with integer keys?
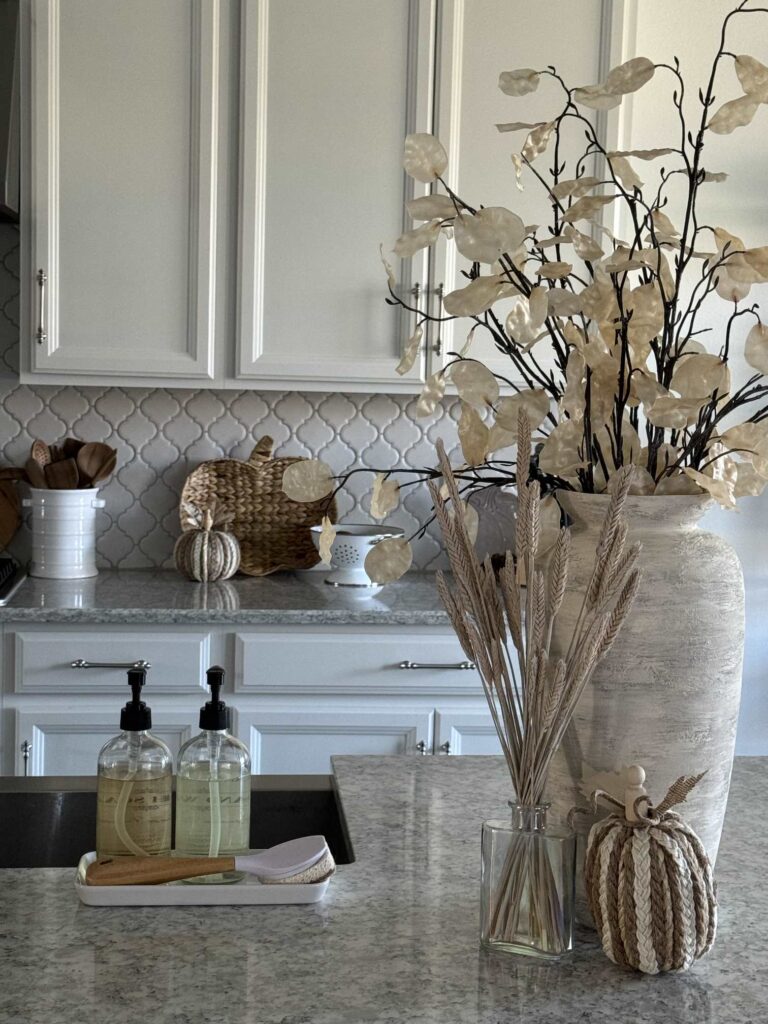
[{"x": 249, "y": 891}]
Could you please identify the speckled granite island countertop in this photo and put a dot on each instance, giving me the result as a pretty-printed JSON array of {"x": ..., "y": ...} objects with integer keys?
[
  {"x": 395, "y": 941},
  {"x": 163, "y": 596}
]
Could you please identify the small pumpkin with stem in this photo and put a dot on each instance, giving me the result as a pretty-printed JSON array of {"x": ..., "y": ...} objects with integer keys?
[{"x": 206, "y": 551}]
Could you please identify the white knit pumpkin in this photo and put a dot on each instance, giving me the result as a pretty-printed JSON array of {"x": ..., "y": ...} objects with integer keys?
[
  {"x": 205, "y": 554},
  {"x": 650, "y": 888}
]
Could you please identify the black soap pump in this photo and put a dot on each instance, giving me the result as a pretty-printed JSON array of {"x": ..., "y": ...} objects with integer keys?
[
  {"x": 135, "y": 770},
  {"x": 213, "y": 786}
]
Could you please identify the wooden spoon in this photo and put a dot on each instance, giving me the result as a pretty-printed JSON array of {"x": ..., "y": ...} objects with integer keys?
[
  {"x": 41, "y": 453},
  {"x": 70, "y": 446},
  {"x": 35, "y": 473},
  {"x": 62, "y": 475},
  {"x": 107, "y": 469},
  {"x": 93, "y": 461}
]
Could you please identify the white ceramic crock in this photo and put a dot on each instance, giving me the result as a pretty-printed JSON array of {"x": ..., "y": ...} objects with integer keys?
[{"x": 63, "y": 532}]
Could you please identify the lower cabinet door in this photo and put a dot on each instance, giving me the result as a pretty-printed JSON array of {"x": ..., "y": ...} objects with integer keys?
[
  {"x": 303, "y": 742},
  {"x": 465, "y": 732},
  {"x": 68, "y": 742}
]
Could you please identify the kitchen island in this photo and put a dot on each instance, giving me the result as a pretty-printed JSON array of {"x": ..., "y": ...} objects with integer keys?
[{"x": 395, "y": 940}]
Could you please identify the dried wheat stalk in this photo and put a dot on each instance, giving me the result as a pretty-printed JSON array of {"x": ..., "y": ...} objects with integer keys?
[{"x": 532, "y": 695}]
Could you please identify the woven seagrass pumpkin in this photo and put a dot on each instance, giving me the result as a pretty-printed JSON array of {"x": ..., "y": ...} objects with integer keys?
[
  {"x": 649, "y": 882},
  {"x": 205, "y": 553},
  {"x": 273, "y": 531}
]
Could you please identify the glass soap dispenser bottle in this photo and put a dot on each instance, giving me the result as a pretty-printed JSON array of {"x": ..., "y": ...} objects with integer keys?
[
  {"x": 213, "y": 787},
  {"x": 135, "y": 769}
]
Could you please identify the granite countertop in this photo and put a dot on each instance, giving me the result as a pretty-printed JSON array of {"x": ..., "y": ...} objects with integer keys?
[
  {"x": 395, "y": 941},
  {"x": 163, "y": 596}
]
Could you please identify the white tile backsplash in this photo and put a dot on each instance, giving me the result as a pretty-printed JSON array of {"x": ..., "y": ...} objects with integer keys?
[{"x": 161, "y": 435}]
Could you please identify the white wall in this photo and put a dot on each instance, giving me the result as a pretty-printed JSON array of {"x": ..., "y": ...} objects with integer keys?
[{"x": 690, "y": 30}]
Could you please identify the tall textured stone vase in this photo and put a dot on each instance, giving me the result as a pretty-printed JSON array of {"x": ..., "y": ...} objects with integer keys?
[{"x": 667, "y": 695}]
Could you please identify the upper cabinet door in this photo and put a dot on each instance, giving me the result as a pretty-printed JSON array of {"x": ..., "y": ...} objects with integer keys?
[
  {"x": 121, "y": 162},
  {"x": 329, "y": 90},
  {"x": 478, "y": 39}
]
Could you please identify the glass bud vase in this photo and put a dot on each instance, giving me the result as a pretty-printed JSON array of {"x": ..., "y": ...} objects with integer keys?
[{"x": 527, "y": 885}]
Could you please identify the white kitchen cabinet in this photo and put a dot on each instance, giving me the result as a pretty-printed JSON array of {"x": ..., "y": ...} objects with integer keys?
[
  {"x": 67, "y": 742},
  {"x": 122, "y": 166},
  {"x": 324, "y": 110},
  {"x": 298, "y": 742},
  {"x": 477, "y": 40}
]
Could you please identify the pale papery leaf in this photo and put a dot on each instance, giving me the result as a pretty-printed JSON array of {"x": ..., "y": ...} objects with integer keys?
[
  {"x": 385, "y": 496},
  {"x": 585, "y": 247},
  {"x": 559, "y": 455},
  {"x": 533, "y": 402},
  {"x": 645, "y": 388},
  {"x": 517, "y": 126},
  {"x": 485, "y": 236},
  {"x": 424, "y": 157},
  {"x": 473, "y": 436},
  {"x": 677, "y": 483},
  {"x": 596, "y": 97},
  {"x": 518, "y": 325},
  {"x": 550, "y": 240},
  {"x": 675, "y": 413},
  {"x": 749, "y": 483},
  {"x": 475, "y": 383},
  {"x": 411, "y": 352},
  {"x": 625, "y": 78},
  {"x": 478, "y": 296},
  {"x": 538, "y": 306},
  {"x": 465, "y": 348},
  {"x": 714, "y": 176},
  {"x": 471, "y": 521},
  {"x": 699, "y": 375},
  {"x": 431, "y": 395},
  {"x": 647, "y": 319},
  {"x": 326, "y": 539},
  {"x": 756, "y": 348},
  {"x": 721, "y": 490},
  {"x": 574, "y": 188},
  {"x": 431, "y": 208},
  {"x": 655, "y": 260},
  {"x": 733, "y": 114},
  {"x": 641, "y": 481},
  {"x": 561, "y": 302},
  {"x": 626, "y": 173},
  {"x": 586, "y": 208},
  {"x": 642, "y": 154},
  {"x": 753, "y": 76},
  {"x": 388, "y": 560},
  {"x": 664, "y": 229},
  {"x": 537, "y": 141},
  {"x": 691, "y": 345},
  {"x": 499, "y": 438},
  {"x": 517, "y": 160},
  {"x": 573, "y": 401},
  {"x": 411, "y": 242},
  {"x": 388, "y": 268},
  {"x": 750, "y": 441},
  {"x": 307, "y": 480},
  {"x": 555, "y": 270},
  {"x": 519, "y": 82}
]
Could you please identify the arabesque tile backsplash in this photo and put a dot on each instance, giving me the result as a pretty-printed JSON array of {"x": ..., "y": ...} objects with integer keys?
[{"x": 162, "y": 434}]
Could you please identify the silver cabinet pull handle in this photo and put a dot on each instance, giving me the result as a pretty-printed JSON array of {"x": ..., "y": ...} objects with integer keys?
[
  {"x": 26, "y": 748},
  {"x": 41, "y": 335},
  {"x": 437, "y": 346},
  {"x": 82, "y": 663},
  {"x": 455, "y": 666},
  {"x": 421, "y": 746},
  {"x": 445, "y": 748}
]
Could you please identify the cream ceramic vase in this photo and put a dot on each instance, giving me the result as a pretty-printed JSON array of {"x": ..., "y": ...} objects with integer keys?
[{"x": 667, "y": 695}]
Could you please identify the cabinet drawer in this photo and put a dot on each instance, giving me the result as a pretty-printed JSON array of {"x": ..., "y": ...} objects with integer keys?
[
  {"x": 352, "y": 661},
  {"x": 303, "y": 742},
  {"x": 42, "y": 660}
]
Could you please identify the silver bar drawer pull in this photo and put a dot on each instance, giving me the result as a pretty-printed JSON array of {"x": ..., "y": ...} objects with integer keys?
[
  {"x": 455, "y": 666},
  {"x": 82, "y": 663},
  {"x": 41, "y": 335}
]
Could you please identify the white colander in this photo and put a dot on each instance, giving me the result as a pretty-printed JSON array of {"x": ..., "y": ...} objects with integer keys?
[{"x": 352, "y": 543}]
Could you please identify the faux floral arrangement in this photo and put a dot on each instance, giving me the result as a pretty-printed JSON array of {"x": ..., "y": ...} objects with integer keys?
[{"x": 632, "y": 384}]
